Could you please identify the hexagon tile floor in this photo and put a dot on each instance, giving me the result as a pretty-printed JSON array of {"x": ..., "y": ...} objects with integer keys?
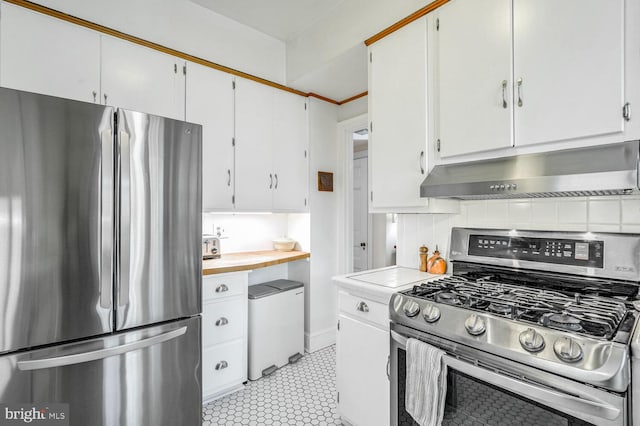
[{"x": 299, "y": 394}]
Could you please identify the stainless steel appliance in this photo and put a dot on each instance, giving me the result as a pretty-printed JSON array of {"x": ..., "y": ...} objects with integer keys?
[
  {"x": 537, "y": 327},
  {"x": 565, "y": 173},
  {"x": 210, "y": 247},
  {"x": 100, "y": 267}
]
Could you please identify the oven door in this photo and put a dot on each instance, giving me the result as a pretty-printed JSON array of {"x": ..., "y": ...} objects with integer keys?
[{"x": 483, "y": 389}]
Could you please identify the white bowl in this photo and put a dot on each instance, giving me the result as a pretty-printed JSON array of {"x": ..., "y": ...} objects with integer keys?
[{"x": 284, "y": 244}]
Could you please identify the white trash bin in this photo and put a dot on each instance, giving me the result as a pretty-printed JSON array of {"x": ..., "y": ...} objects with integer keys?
[{"x": 276, "y": 326}]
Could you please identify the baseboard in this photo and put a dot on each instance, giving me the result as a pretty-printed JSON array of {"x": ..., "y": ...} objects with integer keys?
[{"x": 320, "y": 339}]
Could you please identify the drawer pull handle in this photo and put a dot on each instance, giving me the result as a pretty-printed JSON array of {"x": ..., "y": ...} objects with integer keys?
[
  {"x": 362, "y": 307},
  {"x": 222, "y": 321},
  {"x": 222, "y": 365},
  {"x": 222, "y": 288}
]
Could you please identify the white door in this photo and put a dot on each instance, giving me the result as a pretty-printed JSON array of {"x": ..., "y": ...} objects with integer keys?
[
  {"x": 254, "y": 146},
  {"x": 141, "y": 79},
  {"x": 569, "y": 59},
  {"x": 474, "y": 76},
  {"x": 362, "y": 352},
  {"x": 290, "y": 162},
  {"x": 209, "y": 102},
  {"x": 360, "y": 216},
  {"x": 397, "y": 108},
  {"x": 46, "y": 55}
]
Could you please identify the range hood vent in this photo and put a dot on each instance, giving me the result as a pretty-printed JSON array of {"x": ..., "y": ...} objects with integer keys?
[{"x": 599, "y": 170}]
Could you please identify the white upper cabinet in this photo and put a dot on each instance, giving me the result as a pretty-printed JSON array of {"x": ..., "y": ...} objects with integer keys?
[
  {"x": 538, "y": 75},
  {"x": 398, "y": 149},
  {"x": 49, "y": 56},
  {"x": 473, "y": 71},
  {"x": 290, "y": 152},
  {"x": 271, "y": 149},
  {"x": 254, "y": 142},
  {"x": 568, "y": 69},
  {"x": 138, "y": 78},
  {"x": 209, "y": 102}
]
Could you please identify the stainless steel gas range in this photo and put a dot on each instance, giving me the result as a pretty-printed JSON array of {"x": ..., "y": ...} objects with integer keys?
[{"x": 539, "y": 328}]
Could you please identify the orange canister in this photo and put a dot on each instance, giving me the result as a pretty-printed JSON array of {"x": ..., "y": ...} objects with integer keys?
[{"x": 436, "y": 264}]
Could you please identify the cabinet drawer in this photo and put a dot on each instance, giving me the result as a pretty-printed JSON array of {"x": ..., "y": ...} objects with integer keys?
[
  {"x": 360, "y": 307},
  {"x": 216, "y": 287},
  {"x": 223, "y": 321},
  {"x": 222, "y": 366}
]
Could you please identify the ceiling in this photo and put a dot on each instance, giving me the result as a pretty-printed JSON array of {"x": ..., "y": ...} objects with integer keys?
[
  {"x": 282, "y": 19},
  {"x": 324, "y": 39}
]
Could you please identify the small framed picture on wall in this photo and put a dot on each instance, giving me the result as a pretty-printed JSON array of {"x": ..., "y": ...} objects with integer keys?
[{"x": 325, "y": 181}]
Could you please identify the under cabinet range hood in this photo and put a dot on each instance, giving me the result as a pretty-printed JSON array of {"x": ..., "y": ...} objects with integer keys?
[{"x": 598, "y": 170}]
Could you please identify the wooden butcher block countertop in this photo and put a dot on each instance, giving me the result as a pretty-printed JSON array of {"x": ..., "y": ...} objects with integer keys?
[{"x": 234, "y": 262}]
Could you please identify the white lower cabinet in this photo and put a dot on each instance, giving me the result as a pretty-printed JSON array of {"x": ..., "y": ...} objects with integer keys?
[
  {"x": 362, "y": 354},
  {"x": 224, "y": 333}
]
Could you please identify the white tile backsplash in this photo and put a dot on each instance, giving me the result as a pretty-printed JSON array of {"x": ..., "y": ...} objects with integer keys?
[{"x": 596, "y": 214}]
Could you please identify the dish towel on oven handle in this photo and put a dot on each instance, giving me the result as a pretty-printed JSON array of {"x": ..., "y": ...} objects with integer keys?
[{"x": 426, "y": 388}]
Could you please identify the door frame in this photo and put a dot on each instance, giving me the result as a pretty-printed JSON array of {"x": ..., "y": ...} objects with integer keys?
[{"x": 345, "y": 132}]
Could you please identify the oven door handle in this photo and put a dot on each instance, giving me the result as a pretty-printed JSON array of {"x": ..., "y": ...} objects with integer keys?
[{"x": 576, "y": 406}]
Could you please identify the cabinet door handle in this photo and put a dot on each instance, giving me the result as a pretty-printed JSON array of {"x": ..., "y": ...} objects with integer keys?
[
  {"x": 519, "y": 82},
  {"x": 222, "y": 288},
  {"x": 222, "y": 365},
  {"x": 276, "y": 177},
  {"x": 504, "y": 94},
  {"x": 105, "y": 98},
  {"x": 222, "y": 321},
  {"x": 270, "y": 181},
  {"x": 362, "y": 307},
  {"x": 95, "y": 94},
  {"x": 422, "y": 162},
  {"x": 389, "y": 368},
  {"x": 228, "y": 177}
]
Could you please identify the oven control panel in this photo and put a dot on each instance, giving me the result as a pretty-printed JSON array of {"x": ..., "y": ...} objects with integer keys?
[{"x": 586, "y": 253}]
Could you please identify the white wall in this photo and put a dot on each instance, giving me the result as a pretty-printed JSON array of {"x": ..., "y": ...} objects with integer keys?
[
  {"x": 187, "y": 27},
  {"x": 603, "y": 214},
  {"x": 353, "y": 108},
  {"x": 321, "y": 294}
]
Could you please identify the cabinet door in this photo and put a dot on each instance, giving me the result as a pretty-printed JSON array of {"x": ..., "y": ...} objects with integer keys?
[
  {"x": 254, "y": 132},
  {"x": 474, "y": 74},
  {"x": 141, "y": 79},
  {"x": 46, "y": 55},
  {"x": 569, "y": 57},
  {"x": 209, "y": 102},
  {"x": 290, "y": 156},
  {"x": 397, "y": 108},
  {"x": 362, "y": 353}
]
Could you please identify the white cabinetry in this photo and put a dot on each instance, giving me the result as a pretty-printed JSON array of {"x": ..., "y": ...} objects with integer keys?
[
  {"x": 271, "y": 149},
  {"x": 46, "y": 55},
  {"x": 138, "y": 78},
  {"x": 224, "y": 333},
  {"x": 398, "y": 150},
  {"x": 362, "y": 353},
  {"x": 209, "y": 101},
  {"x": 523, "y": 73}
]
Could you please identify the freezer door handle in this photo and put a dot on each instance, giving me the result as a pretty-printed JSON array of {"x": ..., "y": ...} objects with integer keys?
[
  {"x": 125, "y": 217},
  {"x": 61, "y": 361},
  {"x": 106, "y": 227}
]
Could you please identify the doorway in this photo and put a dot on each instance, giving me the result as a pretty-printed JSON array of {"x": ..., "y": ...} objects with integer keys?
[{"x": 362, "y": 222}]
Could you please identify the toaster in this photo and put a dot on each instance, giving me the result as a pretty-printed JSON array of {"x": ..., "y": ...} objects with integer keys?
[{"x": 210, "y": 247}]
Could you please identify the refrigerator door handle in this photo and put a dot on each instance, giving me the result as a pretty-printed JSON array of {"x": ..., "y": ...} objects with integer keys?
[
  {"x": 106, "y": 227},
  {"x": 125, "y": 216},
  {"x": 61, "y": 361}
]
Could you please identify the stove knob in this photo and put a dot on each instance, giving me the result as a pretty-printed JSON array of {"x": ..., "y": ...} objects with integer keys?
[
  {"x": 531, "y": 340},
  {"x": 431, "y": 313},
  {"x": 411, "y": 308},
  {"x": 475, "y": 325},
  {"x": 567, "y": 349}
]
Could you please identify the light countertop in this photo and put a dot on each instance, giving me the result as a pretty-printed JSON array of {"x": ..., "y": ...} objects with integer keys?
[
  {"x": 234, "y": 262},
  {"x": 380, "y": 284}
]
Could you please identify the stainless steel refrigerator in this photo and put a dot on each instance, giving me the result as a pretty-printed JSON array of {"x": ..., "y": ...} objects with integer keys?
[{"x": 100, "y": 262}]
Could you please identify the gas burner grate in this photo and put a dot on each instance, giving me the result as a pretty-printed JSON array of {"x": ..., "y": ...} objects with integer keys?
[{"x": 591, "y": 315}]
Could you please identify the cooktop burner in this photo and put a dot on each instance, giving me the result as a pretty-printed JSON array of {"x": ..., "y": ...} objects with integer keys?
[{"x": 518, "y": 298}]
